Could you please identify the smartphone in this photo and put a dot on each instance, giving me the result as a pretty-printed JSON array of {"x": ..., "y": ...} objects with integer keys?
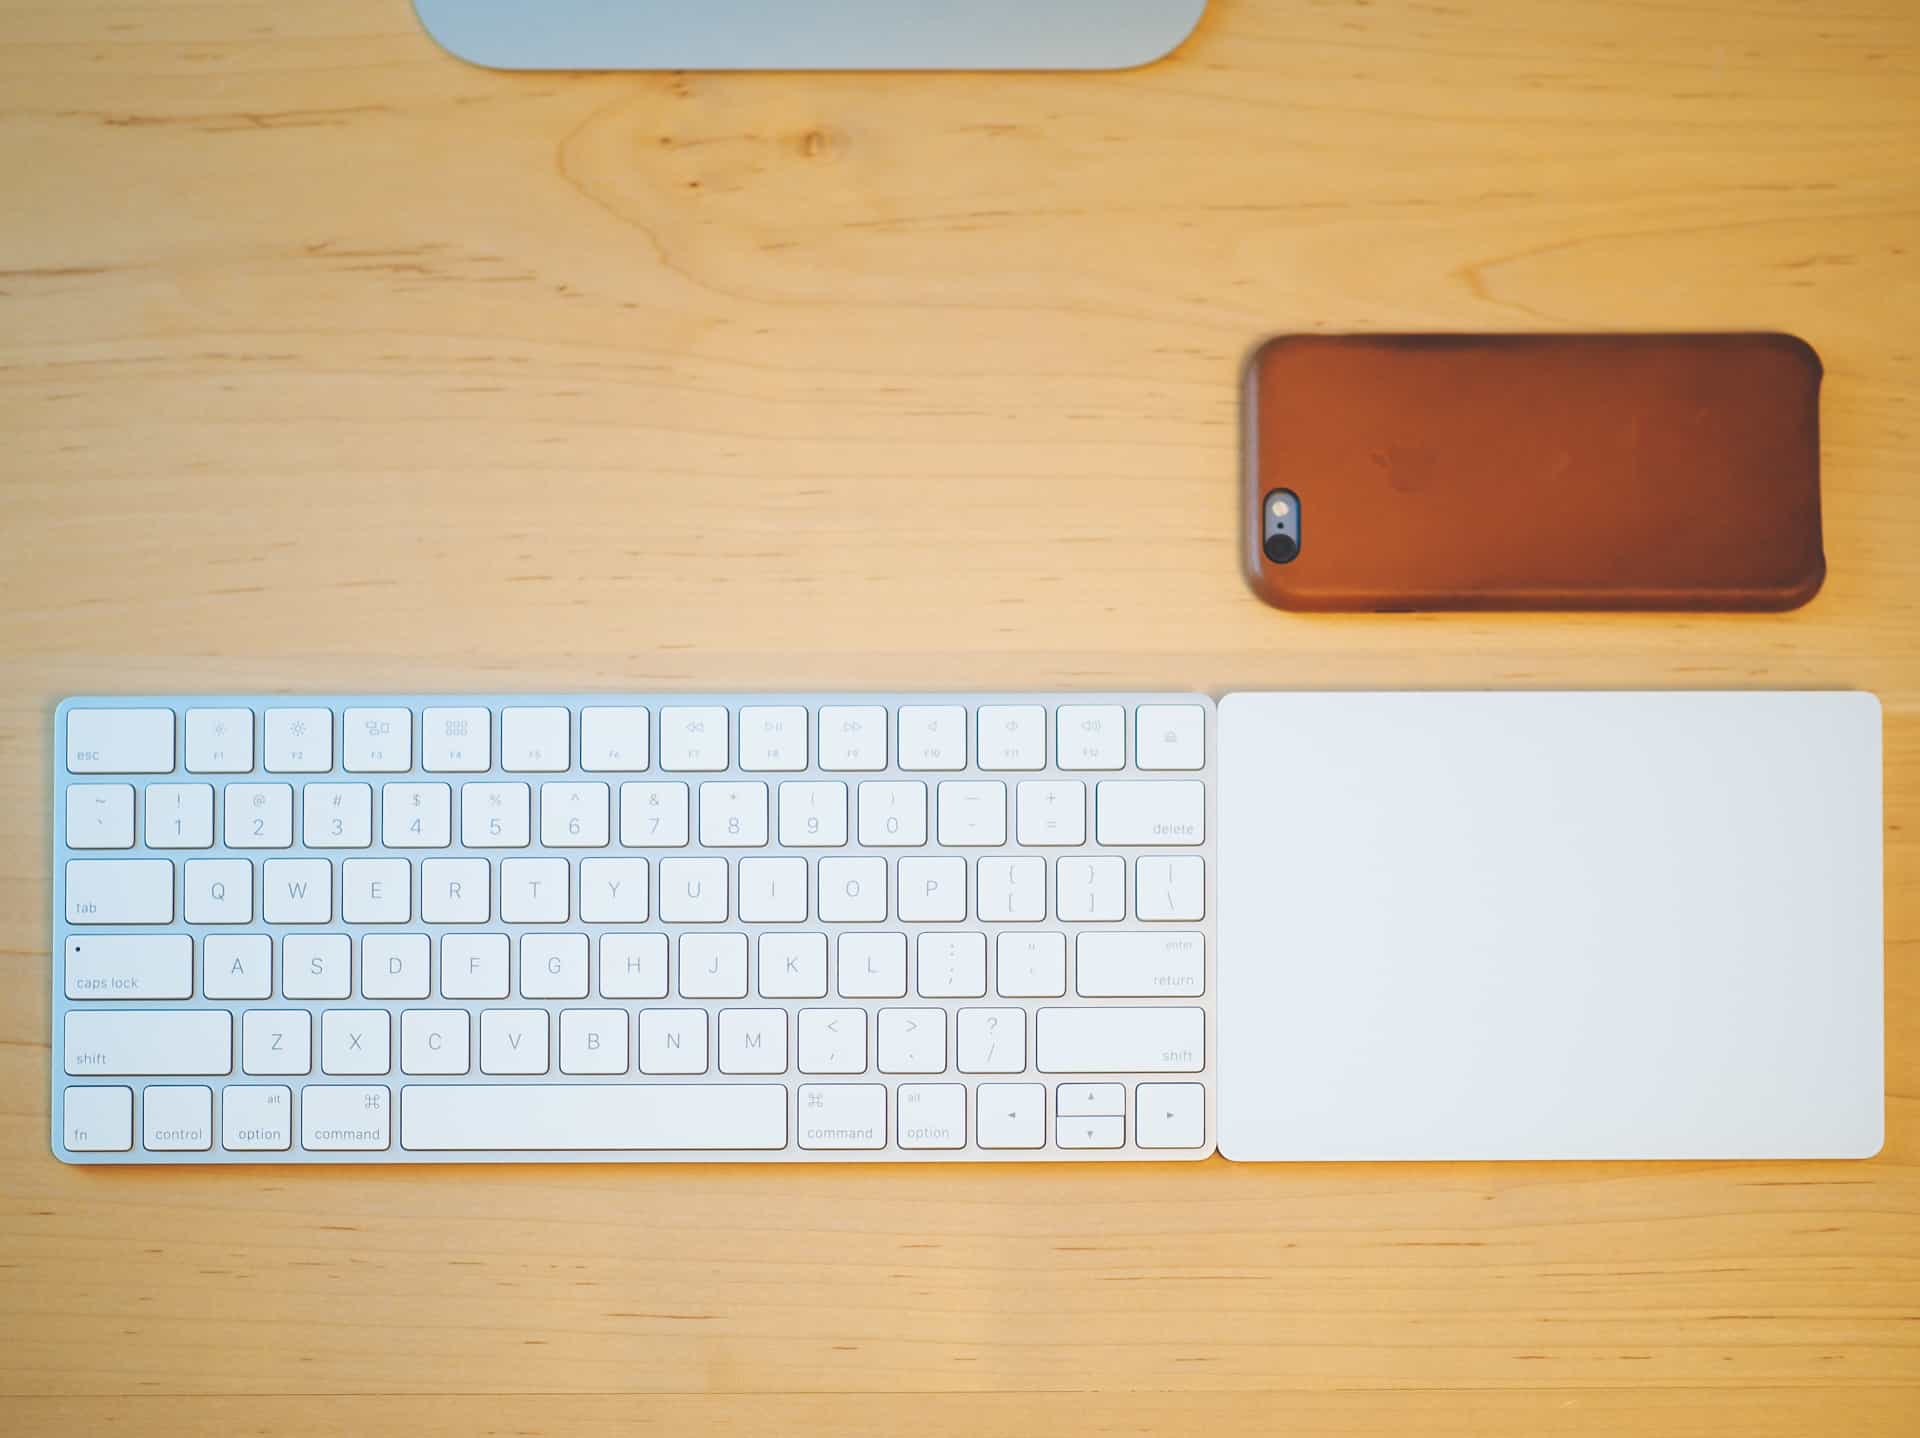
[{"x": 1651, "y": 472}]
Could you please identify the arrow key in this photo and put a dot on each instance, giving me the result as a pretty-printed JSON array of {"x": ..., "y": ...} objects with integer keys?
[
  {"x": 1011, "y": 1115},
  {"x": 1090, "y": 1132},
  {"x": 1084, "y": 1100},
  {"x": 1170, "y": 1115}
]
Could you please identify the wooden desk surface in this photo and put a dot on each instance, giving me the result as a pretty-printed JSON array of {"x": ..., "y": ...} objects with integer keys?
[{"x": 329, "y": 362}]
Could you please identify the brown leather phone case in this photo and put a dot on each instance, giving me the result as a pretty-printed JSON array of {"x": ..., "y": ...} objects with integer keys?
[{"x": 1537, "y": 471}]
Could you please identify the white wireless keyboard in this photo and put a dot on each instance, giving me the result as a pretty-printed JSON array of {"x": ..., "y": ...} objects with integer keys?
[{"x": 620, "y": 927}]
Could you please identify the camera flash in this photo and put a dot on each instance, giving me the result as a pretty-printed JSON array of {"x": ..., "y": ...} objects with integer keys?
[{"x": 1279, "y": 509}]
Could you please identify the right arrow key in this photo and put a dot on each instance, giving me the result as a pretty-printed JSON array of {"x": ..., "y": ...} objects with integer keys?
[{"x": 1170, "y": 1115}]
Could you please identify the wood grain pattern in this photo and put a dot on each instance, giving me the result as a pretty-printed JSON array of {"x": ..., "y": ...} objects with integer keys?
[{"x": 328, "y": 362}]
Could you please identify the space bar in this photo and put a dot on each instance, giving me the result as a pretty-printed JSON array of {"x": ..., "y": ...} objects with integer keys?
[{"x": 592, "y": 1117}]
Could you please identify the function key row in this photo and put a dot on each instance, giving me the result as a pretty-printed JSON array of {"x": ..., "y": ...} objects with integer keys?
[{"x": 615, "y": 738}]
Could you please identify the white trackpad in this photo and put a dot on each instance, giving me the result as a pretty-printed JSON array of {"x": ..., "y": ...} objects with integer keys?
[{"x": 1550, "y": 926}]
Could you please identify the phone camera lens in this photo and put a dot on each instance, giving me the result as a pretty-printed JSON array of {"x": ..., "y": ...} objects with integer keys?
[{"x": 1281, "y": 548}]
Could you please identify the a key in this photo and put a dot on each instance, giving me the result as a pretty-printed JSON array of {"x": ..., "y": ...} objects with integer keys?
[
  {"x": 377, "y": 741},
  {"x": 1134, "y": 965},
  {"x": 593, "y": 1117},
  {"x": 296, "y": 891},
  {"x": 355, "y": 1041},
  {"x": 1170, "y": 736},
  {"x": 119, "y": 741},
  {"x": 337, "y": 816},
  {"x": 893, "y": 814},
  {"x": 1120, "y": 1040},
  {"x": 574, "y": 816},
  {"x": 693, "y": 891},
  {"x": 813, "y": 815},
  {"x": 613, "y": 740},
  {"x": 853, "y": 891},
  {"x": 1051, "y": 813},
  {"x": 298, "y": 741},
  {"x": 217, "y": 891},
  {"x": 733, "y": 816},
  {"x": 416, "y": 816},
  {"x": 455, "y": 891},
  {"x": 1031, "y": 966},
  {"x": 673, "y": 1041},
  {"x": 1011, "y": 1115},
  {"x": 178, "y": 1118},
  {"x": 912, "y": 1041},
  {"x": 1170, "y": 1115},
  {"x": 219, "y": 741},
  {"x": 593, "y": 1041},
  {"x": 713, "y": 966},
  {"x": 98, "y": 1120},
  {"x": 1090, "y": 890},
  {"x": 952, "y": 966},
  {"x": 973, "y": 813},
  {"x": 119, "y": 891},
  {"x": 1012, "y": 737},
  {"x": 1160, "y": 812},
  {"x": 853, "y": 738},
  {"x": 395, "y": 966},
  {"x": 933, "y": 736},
  {"x": 932, "y": 1115},
  {"x": 434, "y": 1041},
  {"x": 514, "y": 1041},
  {"x": 1082, "y": 1100},
  {"x": 129, "y": 966},
  {"x": 335, "y": 1118},
  {"x": 1012, "y": 890},
  {"x": 474, "y": 966},
  {"x": 1090, "y": 736},
  {"x": 773, "y": 891},
  {"x": 256, "y": 1118},
  {"x": 100, "y": 816},
  {"x": 693, "y": 739},
  {"x": 993, "y": 1041},
  {"x": 378, "y": 891},
  {"x": 613, "y": 891},
  {"x": 535, "y": 741},
  {"x": 316, "y": 966},
  {"x": 496, "y": 816},
  {"x": 933, "y": 891},
  {"x": 873, "y": 966},
  {"x": 456, "y": 741},
  {"x": 633, "y": 966},
  {"x": 773, "y": 739},
  {"x": 553, "y": 966},
  {"x": 533, "y": 891},
  {"x": 236, "y": 966},
  {"x": 1170, "y": 889},
  {"x": 833, "y": 1041},
  {"x": 843, "y": 1115},
  {"x": 653, "y": 816},
  {"x": 753, "y": 1041},
  {"x": 259, "y": 816},
  {"x": 793, "y": 966},
  {"x": 276, "y": 1041}
]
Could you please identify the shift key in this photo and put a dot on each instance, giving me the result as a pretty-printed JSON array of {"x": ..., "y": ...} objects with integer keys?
[
  {"x": 1121, "y": 1040},
  {"x": 115, "y": 1041}
]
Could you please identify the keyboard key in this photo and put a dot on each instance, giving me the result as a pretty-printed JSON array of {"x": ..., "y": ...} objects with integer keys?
[
  {"x": 377, "y": 741},
  {"x": 653, "y": 816},
  {"x": 514, "y": 1041},
  {"x": 693, "y": 739},
  {"x": 773, "y": 891},
  {"x": 693, "y": 891},
  {"x": 416, "y": 816},
  {"x": 633, "y": 966},
  {"x": 456, "y": 741},
  {"x": 873, "y": 966},
  {"x": 355, "y": 1041},
  {"x": 456, "y": 891},
  {"x": 1012, "y": 890},
  {"x": 259, "y": 816},
  {"x": 613, "y": 891},
  {"x": 219, "y": 741},
  {"x": 474, "y": 966},
  {"x": 593, "y": 1041},
  {"x": 275, "y": 1041},
  {"x": 553, "y": 966},
  {"x": 1113, "y": 965},
  {"x": 1090, "y": 736},
  {"x": 296, "y": 891},
  {"x": 178, "y": 1118},
  {"x": 1090, "y": 1132},
  {"x": 1170, "y": 736},
  {"x": 933, "y": 891},
  {"x": 713, "y": 966},
  {"x": 316, "y": 966},
  {"x": 574, "y": 816},
  {"x": 843, "y": 1115},
  {"x": 912, "y": 1041},
  {"x": 1150, "y": 811},
  {"x": 1170, "y": 889},
  {"x": 613, "y": 740},
  {"x": 533, "y": 891},
  {"x": 933, "y": 1115},
  {"x": 217, "y": 891},
  {"x": 853, "y": 738},
  {"x": 119, "y": 891},
  {"x": 973, "y": 814},
  {"x": 773, "y": 739},
  {"x": 933, "y": 737},
  {"x": 1170, "y": 1115},
  {"x": 753, "y": 1041},
  {"x": 1085, "y": 1099},
  {"x": 299, "y": 741},
  {"x": 535, "y": 741},
  {"x": 100, "y": 816},
  {"x": 435, "y": 1041},
  {"x": 380, "y": 891},
  {"x": 952, "y": 966},
  {"x": 793, "y": 966},
  {"x": 256, "y": 1118},
  {"x": 593, "y": 1117},
  {"x": 119, "y": 741},
  {"x": 853, "y": 891},
  {"x": 337, "y": 816},
  {"x": 1120, "y": 1040},
  {"x": 395, "y": 966},
  {"x": 1011, "y": 1115},
  {"x": 236, "y": 966},
  {"x": 1051, "y": 812},
  {"x": 833, "y": 1041},
  {"x": 1012, "y": 736},
  {"x": 733, "y": 816},
  {"x": 335, "y": 1118},
  {"x": 992, "y": 1041},
  {"x": 98, "y": 1120},
  {"x": 673, "y": 1041},
  {"x": 1031, "y": 966},
  {"x": 168, "y": 1043},
  {"x": 813, "y": 815},
  {"x": 179, "y": 816},
  {"x": 496, "y": 816},
  {"x": 1091, "y": 891},
  {"x": 893, "y": 814}
]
